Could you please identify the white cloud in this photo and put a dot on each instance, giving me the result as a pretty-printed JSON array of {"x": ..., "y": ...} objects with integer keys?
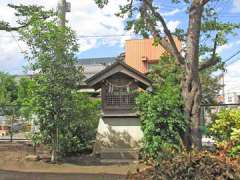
[
  {"x": 85, "y": 18},
  {"x": 237, "y": 42},
  {"x": 236, "y": 6},
  {"x": 171, "y": 13},
  {"x": 11, "y": 59},
  {"x": 172, "y": 25},
  {"x": 224, "y": 47},
  {"x": 232, "y": 77}
]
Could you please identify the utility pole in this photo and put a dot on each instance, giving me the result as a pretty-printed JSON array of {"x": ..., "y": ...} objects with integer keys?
[{"x": 63, "y": 7}]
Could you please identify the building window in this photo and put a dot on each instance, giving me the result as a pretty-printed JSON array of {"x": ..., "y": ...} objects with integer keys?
[{"x": 229, "y": 99}]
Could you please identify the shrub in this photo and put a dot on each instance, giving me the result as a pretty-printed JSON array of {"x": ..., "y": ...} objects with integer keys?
[
  {"x": 191, "y": 166},
  {"x": 161, "y": 113},
  {"x": 225, "y": 128},
  {"x": 81, "y": 131}
]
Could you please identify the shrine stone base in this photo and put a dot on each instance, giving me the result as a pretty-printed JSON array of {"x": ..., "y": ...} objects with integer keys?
[{"x": 118, "y": 138}]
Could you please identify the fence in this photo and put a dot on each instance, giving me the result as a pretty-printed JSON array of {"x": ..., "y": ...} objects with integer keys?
[
  {"x": 13, "y": 127},
  {"x": 208, "y": 110}
]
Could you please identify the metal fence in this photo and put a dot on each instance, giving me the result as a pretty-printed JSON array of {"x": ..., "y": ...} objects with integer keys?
[
  {"x": 209, "y": 110},
  {"x": 13, "y": 127}
]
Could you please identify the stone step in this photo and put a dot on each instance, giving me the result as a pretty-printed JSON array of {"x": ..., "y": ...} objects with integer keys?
[
  {"x": 118, "y": 154},
  {"x": 118, "y": 161}
]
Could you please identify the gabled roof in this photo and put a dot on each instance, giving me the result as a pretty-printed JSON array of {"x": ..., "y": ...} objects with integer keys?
[
  {"x": 118, "y": 67},
  {"x": 103, "y": 60}
]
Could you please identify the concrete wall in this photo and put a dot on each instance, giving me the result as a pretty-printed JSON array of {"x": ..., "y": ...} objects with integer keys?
[{"x": 118, "y": 133}]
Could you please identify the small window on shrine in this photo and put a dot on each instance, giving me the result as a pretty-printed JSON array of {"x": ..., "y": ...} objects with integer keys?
[
  {"x": 119, "y": 90},
  {"x": 119, "y": 94}
]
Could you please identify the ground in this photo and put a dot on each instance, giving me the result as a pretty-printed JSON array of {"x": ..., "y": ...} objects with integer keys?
[{"x": 14, "y": 166}]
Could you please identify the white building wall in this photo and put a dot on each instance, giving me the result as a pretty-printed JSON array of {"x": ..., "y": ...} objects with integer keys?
[{"x": 232, "y": 97}]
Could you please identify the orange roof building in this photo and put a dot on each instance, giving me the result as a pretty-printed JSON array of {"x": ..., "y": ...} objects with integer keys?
[{"x": 141, "y": 54}]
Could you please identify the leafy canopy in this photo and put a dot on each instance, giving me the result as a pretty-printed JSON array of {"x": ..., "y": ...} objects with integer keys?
[{"x": 161, "y": 112}]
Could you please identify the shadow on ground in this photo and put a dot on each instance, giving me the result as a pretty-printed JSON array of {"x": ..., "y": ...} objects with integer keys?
[{"x": 15, "y": 175}]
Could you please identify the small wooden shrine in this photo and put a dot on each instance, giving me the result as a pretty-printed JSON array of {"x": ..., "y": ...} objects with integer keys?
[{"x": 119, "y": 130}]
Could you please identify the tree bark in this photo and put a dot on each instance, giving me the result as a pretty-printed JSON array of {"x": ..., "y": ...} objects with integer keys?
[
  {"x": 191, "y": 92},
  {"x": 53, "y": 155},
  {"x": 54, "y": 149},
  {"x": 191, "y": 87}
]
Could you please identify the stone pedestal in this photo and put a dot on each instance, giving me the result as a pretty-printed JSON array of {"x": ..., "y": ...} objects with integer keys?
[{"x": 118, "y": 138}]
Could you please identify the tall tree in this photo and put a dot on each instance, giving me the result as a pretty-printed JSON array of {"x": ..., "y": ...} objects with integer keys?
[
  {"x": 145, "y": 16},
  {"x": 51, "y": 56}
]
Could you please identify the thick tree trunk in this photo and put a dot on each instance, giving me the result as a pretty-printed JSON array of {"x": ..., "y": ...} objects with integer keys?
[
  {"x": 191, "y": 91},
  {"x": 191, "y": 87}
]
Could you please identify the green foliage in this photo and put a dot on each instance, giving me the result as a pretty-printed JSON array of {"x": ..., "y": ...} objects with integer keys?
[
  {"x": 101, "y": 3},
  {"x": 82, "y": 129},
  {"x": 226, "y": 129},
  {"x": 210, "y": 85},
  {"x": 8, "y": 89},
  {"x": 25, "y": 100},
  {"x": 36, "y": 138},
  {"x": 27, "y": 16},
  {"x": 83, "y": 118},
  {"x": 8, "y": 95},
  {"x": 66, "y": 118},
  {"x": 161, "y": 112}
]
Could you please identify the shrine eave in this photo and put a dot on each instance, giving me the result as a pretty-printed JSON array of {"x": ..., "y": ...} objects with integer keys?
[{"x": 118, "y": 67}]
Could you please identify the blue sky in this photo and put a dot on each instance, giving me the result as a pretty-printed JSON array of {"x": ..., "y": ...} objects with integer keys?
[{"x": 87, "y": 20}]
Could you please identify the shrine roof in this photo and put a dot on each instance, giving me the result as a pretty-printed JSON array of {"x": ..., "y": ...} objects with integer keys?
[{"x": 118, "y": 67}]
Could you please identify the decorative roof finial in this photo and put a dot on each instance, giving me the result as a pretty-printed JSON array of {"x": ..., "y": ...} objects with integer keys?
[{"x": 121, "y": 57}]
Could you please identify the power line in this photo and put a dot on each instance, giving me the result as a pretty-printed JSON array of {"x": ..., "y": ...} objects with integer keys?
[
  {"x": 92, "y": 36},
  {"x": 21, "y": 50},
  {"x": 232, "y": 62},
  {"x": 232, "y": 56},
  {"x": 104, "y": 36}
]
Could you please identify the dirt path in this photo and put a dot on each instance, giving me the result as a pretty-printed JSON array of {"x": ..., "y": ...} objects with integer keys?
[
  {"x": 14, "y": 175},
  {"x": 14, "y": 166}
]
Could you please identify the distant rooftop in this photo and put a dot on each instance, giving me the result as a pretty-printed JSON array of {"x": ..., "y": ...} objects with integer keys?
[
  {"x": 103, "y": 60},
  {"x": 92, "y": 69},
  {"x": 91, "y": 66}
]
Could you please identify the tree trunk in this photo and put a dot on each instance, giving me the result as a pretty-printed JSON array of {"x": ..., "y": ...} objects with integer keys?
[
  {"x": 191, "y": 87},
  {"x": 54, "y": 151},
  {"x": 191, "y": 92},
  {"x": 53, "y": 155}
]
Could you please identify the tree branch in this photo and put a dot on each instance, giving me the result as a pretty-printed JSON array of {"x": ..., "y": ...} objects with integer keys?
[
  {"x": 8, "y": 28},
  {"x": 4, "y": 26},
  {"x": 213, "y": 60},
  {"x": 204, "y": 2},
  {"x": 169, "y": 45}
]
